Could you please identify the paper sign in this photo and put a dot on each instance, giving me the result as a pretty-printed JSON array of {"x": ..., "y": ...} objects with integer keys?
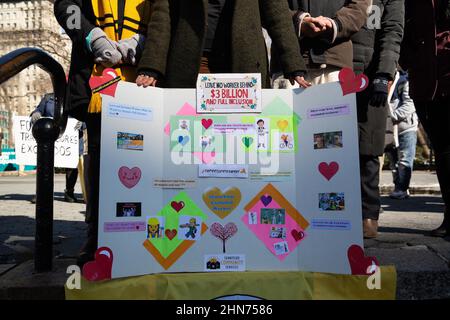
[
  {"x": 329, "y": 111},
  {"x": 328, "y": 224},
  {"x": 224, "y": 262},
  {"x": 124, "y": 226},
  {"x": 66, "y": 147},
  {"x": 223, "y": 171},
  {"x": 173, "y": 183},
  {"x": 116, "y": 110},
  {"x": 228, "y": 93},
  {"x": 234, "y": 128}
]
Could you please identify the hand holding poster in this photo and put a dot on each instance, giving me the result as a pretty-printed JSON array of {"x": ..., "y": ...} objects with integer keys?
[{"x": 66, "y": 147}]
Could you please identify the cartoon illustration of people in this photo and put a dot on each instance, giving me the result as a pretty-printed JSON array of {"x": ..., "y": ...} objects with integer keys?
[
  {"x": 192, "y": 228},
  {"x": 184, "y": 125},
  {"x": 153, "y": 228},
  {"x": 205, "y": 141},
  {"x": 262, "y": 134}
]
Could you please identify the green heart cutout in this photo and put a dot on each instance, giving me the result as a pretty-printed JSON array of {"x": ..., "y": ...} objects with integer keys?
[{"x": 247, "y": 141}]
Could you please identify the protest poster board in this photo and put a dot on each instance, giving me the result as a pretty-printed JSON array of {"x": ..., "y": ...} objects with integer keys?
[
  {"x": 277, "y": 190},
  {"x": 66, "y": 147}
]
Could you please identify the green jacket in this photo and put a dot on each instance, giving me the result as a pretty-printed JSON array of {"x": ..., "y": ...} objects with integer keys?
[{"x": 176, "y": 33}]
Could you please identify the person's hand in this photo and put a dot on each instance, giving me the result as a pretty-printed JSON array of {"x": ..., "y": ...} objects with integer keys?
[
  {"x": 313, "y": 26},
  {"x": 301, "y": 81},
  {"x": 146, "y": 81},
  {"x": 78, "y": 126},
  {"x": 35, "y": 116},
  {"x": 380, "y": 91},
  {"x": 131, "y": 48},
  {"x": 104, "y": 49}
]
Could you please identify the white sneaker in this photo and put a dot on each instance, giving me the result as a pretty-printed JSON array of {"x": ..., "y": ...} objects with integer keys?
[{"x": 399, "y": 195}]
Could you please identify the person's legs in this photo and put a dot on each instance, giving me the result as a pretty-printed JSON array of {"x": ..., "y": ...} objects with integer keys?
[
  {"x": 435, "y": 118},
  {"x": 407, "y": 153},
  {"x": 71, "y": 180},
  {"x": 93, "y": 123},
  {"x": 370, "y": 193}
]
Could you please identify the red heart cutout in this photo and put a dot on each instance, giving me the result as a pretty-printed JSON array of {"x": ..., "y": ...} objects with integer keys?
[
  {"x": 177, "y": 206},
  {"x": 328, "y": 170},
  {"x": 298, "y": 235},
  {"x": 359, "y": 263},
  {"x": 106, "y": 83},
  {"x": 171, "y": 233},
  {"x": 101, "y": 267},
  {"x": 351, "y": 83},
  {"x": 129, "y": 177},
  {"x": 206, "y": 123}
]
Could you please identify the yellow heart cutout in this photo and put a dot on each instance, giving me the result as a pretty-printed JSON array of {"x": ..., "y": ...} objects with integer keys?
[
  {"x": 282, "y": 124},
  {"x": 222, "y": 203}
]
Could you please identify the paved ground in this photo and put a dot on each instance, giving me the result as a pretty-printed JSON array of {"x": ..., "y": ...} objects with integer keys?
[{"x": 422, "y": 262}]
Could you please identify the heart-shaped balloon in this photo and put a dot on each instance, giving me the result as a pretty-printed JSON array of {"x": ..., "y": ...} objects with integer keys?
[
  {"x": 351, "y": 83},
  {"x": 328, "y": 170},
  {"x": 101, "y": 267},
  {"x": 129, "y": 177},
  {"x": 359, "y": 263},
  {"x": 106, "y": 83},
  {"x": 222, "y": 203}
]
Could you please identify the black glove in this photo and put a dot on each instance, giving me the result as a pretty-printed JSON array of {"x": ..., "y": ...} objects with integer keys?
[{"x": 380, "y": 90}]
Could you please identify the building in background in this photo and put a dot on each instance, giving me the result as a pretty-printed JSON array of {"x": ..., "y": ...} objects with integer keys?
[{"x": 28, "y": 24}]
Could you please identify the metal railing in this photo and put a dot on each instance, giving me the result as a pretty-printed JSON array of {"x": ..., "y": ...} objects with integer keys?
[{"x": 46, "y": 131}]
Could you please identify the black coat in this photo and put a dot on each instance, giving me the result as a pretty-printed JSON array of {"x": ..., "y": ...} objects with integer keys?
[{"x": 376, "y": 52}]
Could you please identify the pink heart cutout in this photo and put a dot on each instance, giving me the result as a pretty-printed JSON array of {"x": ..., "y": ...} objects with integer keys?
[
  {"x": 101, "y": 267},
  {"x": 206, "y": 123},
  {"x": 129, "y": 177},
  {"x": 108, "y": 74},
  {"x": 206, "y": 157},
  {"x": 351, "y": 83},
  {"x": 328, "y": 170}
]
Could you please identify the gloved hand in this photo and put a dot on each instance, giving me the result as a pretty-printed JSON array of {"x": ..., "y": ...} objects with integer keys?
[
  {"x": 380, "y": 91},
  {"x": 131, "y": 48},
  {"x": 103, "y": 48},
  {"x": 35, "y": 116},
  {"x": 78, "y": 126}
]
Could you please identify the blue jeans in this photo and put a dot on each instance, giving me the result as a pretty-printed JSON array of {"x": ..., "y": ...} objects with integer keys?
[{"x": 406, "y": 153}]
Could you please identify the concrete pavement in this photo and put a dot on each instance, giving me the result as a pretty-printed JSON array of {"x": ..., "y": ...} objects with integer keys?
[{"x": 422, "y": 262}]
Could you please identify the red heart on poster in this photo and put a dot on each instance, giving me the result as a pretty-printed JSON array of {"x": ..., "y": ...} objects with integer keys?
[
  {"x": 206, "y": 123},
  {"x": 177, "y": 206},
  {"x": 106, "y": 83},
  {"x": 171, "y": 233},
  {"x": 298, "y": 235},
  {"x": 129, "y": 177},
  {"x": 101, "y": 267},
  {"x": 328, "y": 170},
  {"x": 359, "y": 263},
  {"x": 351, "y": 83}
]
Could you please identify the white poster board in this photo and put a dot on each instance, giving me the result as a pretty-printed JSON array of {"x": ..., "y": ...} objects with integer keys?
[
  {"x": 298, "y": 206},
  {"x": 66, "y": 147}
]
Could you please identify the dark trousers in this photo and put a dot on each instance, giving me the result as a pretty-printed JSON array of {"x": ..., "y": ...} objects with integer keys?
[
  {"x": 370, "y": 191},
  {"x": 92, "y": 169},
  {"x": 71, "y": 179},
  {"x": 435, "y": 118}
]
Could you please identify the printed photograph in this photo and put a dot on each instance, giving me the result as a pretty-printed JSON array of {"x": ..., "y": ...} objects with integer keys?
[
  {"x": 252, "y": 218},
  {"x": 273, "y": 216},
  {"x": 281, "y": 248},
  {"x": 189, "y": 228},
  {"x": 331, "y": 201},
  {"x": 155, "y": 227},
  {"x": 184, "y": 124},
  {"x": 328, "y": 140},
  {"x": 277, "y": 233},
  {"x": 128, "y": 209},
  {"x": 130, "y": 141}
]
